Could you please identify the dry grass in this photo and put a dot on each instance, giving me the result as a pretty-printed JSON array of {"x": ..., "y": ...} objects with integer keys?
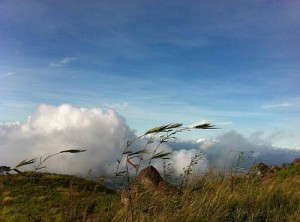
[
  {"x": 52, "y": 197},
  {"x": 238, "y": 198}
]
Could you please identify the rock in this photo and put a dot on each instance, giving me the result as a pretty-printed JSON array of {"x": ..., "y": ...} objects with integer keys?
[
  {"x": 149, "y": 178},
  {"x": 274, "y": 169},
  {"x": 262, "y": 170}
]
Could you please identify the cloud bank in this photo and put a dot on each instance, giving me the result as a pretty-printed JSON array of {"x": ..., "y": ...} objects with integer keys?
[
  {"x": 224, "y": 151},
  {"x": 103, "y": 133},
  {"x": 52, "y": 129}
]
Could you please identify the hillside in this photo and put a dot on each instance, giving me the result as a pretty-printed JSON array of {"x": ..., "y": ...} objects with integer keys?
[{"x": 53, "y": 197}]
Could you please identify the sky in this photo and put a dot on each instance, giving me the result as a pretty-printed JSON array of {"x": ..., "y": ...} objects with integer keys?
[{"x": 232, "y": 63}]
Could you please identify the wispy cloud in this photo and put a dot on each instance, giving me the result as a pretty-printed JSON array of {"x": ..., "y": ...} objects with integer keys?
[
  {"x": 63, "y": 62},
  {"x": 9, "y": 74},
  {"x": 68, "y": 60},
  {"x": 278, "y": 105},
  {"x": 225, "y": 123},
  {"x": 285, "y": 104},
  {"x": 116, "y": 106}
]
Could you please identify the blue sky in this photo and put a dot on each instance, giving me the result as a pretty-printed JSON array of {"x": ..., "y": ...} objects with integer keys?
[{"x": 233, "y": 63}]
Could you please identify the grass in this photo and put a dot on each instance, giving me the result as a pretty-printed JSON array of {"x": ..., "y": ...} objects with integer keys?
[
  {"x": 238, "y": 198},
  {"x": 53, "y": 197}
]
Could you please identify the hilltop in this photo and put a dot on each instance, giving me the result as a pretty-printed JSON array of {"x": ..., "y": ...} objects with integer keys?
[{"x": 54, "y": 197}]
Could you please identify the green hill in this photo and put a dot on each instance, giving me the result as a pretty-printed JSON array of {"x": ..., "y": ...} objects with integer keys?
[
  {"x": 211, "y": 197},
  {"x": 53, "y": 197}
]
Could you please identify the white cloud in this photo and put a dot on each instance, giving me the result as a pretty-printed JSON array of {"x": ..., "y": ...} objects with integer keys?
[
  {"x": 224, "y": 123},
  {"x": 103, "y": 133},
  {"x": 116, "y": 106},
  {"x": 223, "y": 151},
  {"x": 293, "y": 102},
  {"x": 67, "y": 60},
  {"x": 63, "y": 62},
  {"x": 182, "y": 158},
  {"x": 55, "y": 64},
  {"x": 278, "y": 105},
  {"x": 52, "y": 129},
  {"x": 8, "y": 74}
]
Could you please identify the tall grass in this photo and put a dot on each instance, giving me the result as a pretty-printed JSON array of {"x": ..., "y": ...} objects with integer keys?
[
  {"x": 212, "y": 199},
  {"x": 134, "y": 158}
]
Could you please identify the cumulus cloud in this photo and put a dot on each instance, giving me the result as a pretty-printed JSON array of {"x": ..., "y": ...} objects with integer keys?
[
  {"x": 103, "y": 133},
  {"x": 182, "y": 158},
  {"x": 52, "y": 129},
  {"x": 224, "y": 151}
]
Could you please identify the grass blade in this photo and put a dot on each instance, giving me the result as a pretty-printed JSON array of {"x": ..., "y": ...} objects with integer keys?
[
  {"x": 205, "y": 126},
  {"x": 72, "y": 151},
  {"x": 25, "y": 162},
  {"x": 161, "y": 154}
]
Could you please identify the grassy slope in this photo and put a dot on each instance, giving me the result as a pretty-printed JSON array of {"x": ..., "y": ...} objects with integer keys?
[
  {"x": 275, "y": 198},
  {"x": 54, "y": 197}
]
